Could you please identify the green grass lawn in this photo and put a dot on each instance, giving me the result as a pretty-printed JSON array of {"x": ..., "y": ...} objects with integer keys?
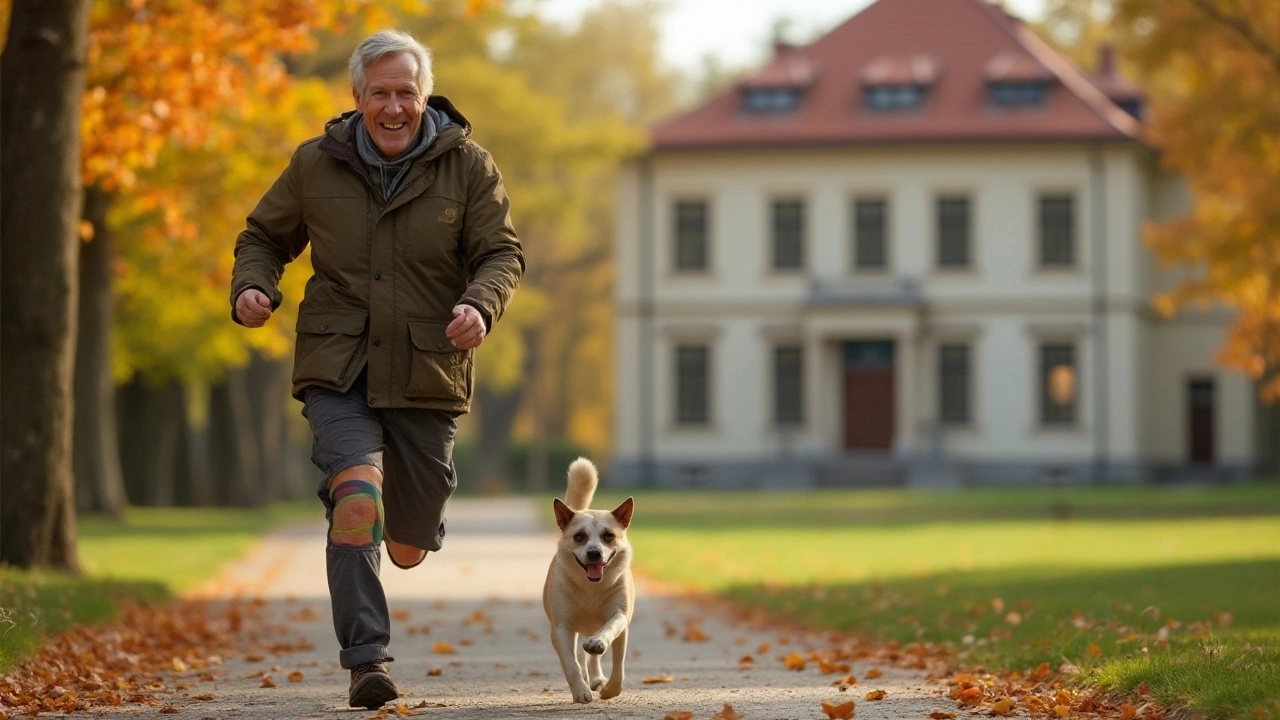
[
  {"x": 149, "y": 555},
  {"x": 1175, "y": 587}
]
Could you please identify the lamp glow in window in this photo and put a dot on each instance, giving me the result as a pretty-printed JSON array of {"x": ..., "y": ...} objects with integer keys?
[{"x": 1062, "y": 384}]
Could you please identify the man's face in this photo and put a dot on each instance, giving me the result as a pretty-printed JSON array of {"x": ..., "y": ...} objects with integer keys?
[{"x": 392, "y": 103}]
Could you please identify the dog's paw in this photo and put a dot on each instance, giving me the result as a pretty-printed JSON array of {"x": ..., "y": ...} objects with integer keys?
[
  {"x": 581, "y": 694},
  {"x": 595, "y": 645},
  {"x": 610, "y": 690},
  {"x": 597, "y": 681}
]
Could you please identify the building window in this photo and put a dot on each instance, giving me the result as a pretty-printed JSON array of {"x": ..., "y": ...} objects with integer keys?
[
  {"x": 788, "y": 234},
  {"x": 869, "y": 236},
  {"x": 1057, "y": 229},
  {"x": 953, "y": 384},
  {"x": 788, "y": 385},
  {"x": 1059, "y": 384},
  {"x": 1020, "y": 93},
  {"x": 691, "y": 235},
  {"x": 693, "y": 386},
  {"x": 891, "y": 98},
  {"x": 953, "y": 231},
  {"x": 771, "y": 101}
]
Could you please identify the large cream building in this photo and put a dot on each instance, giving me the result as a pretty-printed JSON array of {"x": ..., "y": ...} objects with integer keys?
[{"x": 911, "y": 252}]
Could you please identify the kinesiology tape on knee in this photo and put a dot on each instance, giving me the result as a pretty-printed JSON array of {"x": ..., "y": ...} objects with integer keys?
[{"x": 357, "y": 514}]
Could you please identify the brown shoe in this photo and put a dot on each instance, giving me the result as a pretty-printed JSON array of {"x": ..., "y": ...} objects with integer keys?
[{"x": 371, "y": 686}]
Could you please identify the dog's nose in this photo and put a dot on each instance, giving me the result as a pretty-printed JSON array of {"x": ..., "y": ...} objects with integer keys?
[{"x": 594, "y": 555}]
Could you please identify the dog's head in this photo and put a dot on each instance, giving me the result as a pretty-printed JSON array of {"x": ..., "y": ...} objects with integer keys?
[{"x": 595, "y": 538}]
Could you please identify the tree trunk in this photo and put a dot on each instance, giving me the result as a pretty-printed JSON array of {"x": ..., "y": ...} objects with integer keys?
[
  {"x": 41, "y": 85},
  {"x": 152, "y": 424},
  {"x": 196, "y": 479},
  {"x": 95, "y": 447},
  {"x": 233, "y": 448},
  {"x": 497, "y": 413},
  {"x": 268, "y": 387},
  {"x": 536, "y": 470}
]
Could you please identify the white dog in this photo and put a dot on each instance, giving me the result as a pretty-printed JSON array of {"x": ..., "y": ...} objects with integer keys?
[{"x": 589, "y": 590}]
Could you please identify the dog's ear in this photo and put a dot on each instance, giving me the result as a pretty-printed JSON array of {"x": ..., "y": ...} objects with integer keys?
[
  {"x": 563, "y": 514},
  {"x": 623, "y": 512}
]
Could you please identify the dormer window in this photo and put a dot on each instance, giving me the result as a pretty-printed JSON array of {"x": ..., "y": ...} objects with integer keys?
[
  {"x": 898, "y": 83},
  {"x": 762, "y": 101},
  {"x": 894, "y": 97},
  {"x": 1016, "y": 80},
  {"x": 1017, "y": 94},
  {"x": 780, "y": 87}
]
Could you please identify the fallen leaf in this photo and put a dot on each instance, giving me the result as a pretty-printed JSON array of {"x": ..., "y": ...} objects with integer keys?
[
  {"x": 877, "y": 695},
  {"x": 728, "y": 713},
  {"x": 1041, "y": 672},
  {"x": 942, "y": 715},
  {"x": 267, "y": 681},
  {"x": 179, "y": 665},
  {"x": 872, "y": 674},
  {"x": 203, "y": 697},
  {"x": 794, "y": 661},
  {"x": 971, "y": 696},
  {"x": 169, "y": 710},
  {"x": 442, "y": 648},
  {"x": 1003, "y": 706},
  {"x": 1094, "y": 649},
  {"x": 762, "y": 648},
  {"x": 652, "y": 679},
  {"x": 434, "y": 672},
  {"x": 693, "y": 633},
  {"x": 296, "y": 676},
  {"x": 1127, "y": 711},
  {"x": 679, "y": 715},
  {"x": 843, "y": 711},
  {"x": 1061, "y": 710},
  {"x": 1143, "y": 689}
]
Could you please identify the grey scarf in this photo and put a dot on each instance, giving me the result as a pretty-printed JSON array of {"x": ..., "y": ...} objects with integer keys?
[{"x": 387, "y": 174}]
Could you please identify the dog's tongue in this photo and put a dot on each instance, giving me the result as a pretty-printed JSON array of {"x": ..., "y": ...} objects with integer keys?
[{"x": 595, "y": 571}]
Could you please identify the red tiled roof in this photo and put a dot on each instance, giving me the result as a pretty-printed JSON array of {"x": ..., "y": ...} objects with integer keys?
[{"x": 952, "y": 46}]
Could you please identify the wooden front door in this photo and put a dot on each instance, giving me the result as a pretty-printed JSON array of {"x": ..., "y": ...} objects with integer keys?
[
  {"x": 1200, "y": 430},
  {"x": 868, "y": 395}
]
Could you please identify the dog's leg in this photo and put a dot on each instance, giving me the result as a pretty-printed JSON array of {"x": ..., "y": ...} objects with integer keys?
[
  {"x": 598, "y": 643},
  {"x": 595, "y": 675},
  {"x": 614, "y": 686},
  {"x": 565, "y": 641}
]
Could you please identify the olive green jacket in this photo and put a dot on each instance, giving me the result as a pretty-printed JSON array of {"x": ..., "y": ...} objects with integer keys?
[{"x": 386, "y": 277}]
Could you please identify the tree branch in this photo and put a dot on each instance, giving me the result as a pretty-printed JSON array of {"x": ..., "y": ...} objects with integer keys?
[{"x": 1242, "y": 26}]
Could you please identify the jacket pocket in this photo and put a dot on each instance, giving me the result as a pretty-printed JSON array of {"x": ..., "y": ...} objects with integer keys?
[
  {"x": 329, "y": 346},
  {"x": 437, "y": 370}
]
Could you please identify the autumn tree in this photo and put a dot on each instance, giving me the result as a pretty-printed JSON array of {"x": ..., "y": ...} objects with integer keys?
[
  {"x": 41, "y": 84},
  {"x": 1216, "y": 123}
]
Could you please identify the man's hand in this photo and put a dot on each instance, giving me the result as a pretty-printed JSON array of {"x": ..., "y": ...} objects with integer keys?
[
  {"x": 253, "y": 308},
  {"x": 467, "y": 329}
]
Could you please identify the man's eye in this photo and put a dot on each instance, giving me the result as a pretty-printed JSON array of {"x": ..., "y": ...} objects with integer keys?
[
  {"x": 580, "y": 537},
  {"x": 607, "y": 537}
]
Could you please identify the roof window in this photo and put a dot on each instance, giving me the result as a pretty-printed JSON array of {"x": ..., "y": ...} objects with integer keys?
[
  {"x": 898, "y": 83},
  {"x": 1016, "y": 80}
]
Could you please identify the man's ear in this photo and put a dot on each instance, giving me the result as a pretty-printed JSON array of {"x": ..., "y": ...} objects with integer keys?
[
  {"x": 355, "y": 95},
  {"x": 563, "y": 514},
  {"x": 623, "y": 512}
]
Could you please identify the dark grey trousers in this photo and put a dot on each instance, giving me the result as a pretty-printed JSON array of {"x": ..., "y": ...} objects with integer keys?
[{"x": 414, "y": 450}]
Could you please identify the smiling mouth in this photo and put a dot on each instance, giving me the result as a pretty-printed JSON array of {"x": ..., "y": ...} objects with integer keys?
[
  {"x": 392, "y": 126},
  {"x": 595, "y": 571}
]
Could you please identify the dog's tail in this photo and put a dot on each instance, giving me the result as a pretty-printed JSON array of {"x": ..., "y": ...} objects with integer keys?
[{"x": 582, "y": 484}]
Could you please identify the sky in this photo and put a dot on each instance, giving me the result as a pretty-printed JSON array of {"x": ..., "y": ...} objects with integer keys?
[{"x": 737, "y": 32}]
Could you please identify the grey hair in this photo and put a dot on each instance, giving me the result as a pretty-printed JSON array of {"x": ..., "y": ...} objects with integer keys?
[{"x": 386, "y": 43}]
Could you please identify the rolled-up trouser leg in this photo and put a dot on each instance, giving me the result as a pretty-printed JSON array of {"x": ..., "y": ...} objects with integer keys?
[{"x": 360, "y": 616}]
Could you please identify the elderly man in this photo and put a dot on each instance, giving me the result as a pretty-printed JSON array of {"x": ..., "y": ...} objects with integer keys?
[{"x": 414, "y": 259}]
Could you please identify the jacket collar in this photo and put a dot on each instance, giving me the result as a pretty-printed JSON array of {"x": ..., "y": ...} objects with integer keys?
[{"x": 338, "y": 143}]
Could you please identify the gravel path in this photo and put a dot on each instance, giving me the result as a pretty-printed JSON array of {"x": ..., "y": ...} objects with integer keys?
[{"x": 482, "y": 597}]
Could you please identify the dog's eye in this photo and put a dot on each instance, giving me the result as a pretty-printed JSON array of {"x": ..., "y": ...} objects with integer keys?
[
  {"x": 607, "y": 537},
  {"x": 580, "y": 537}
]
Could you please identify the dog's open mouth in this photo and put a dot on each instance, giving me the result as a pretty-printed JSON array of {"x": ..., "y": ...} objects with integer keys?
[{"x": 595, "y": 571}]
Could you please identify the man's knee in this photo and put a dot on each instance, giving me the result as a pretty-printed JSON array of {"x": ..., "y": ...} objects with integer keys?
[{"x": 357, "y": 517}]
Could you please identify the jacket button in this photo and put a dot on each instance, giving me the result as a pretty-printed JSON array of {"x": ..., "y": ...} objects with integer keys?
[
  {"x": 324, "y": 326},
  {"x": 439, "y": 346},
  {"x": 341, "y": 379},
  {"x": 377, "y": 342},
  {"x": 377, "y": 276}
]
